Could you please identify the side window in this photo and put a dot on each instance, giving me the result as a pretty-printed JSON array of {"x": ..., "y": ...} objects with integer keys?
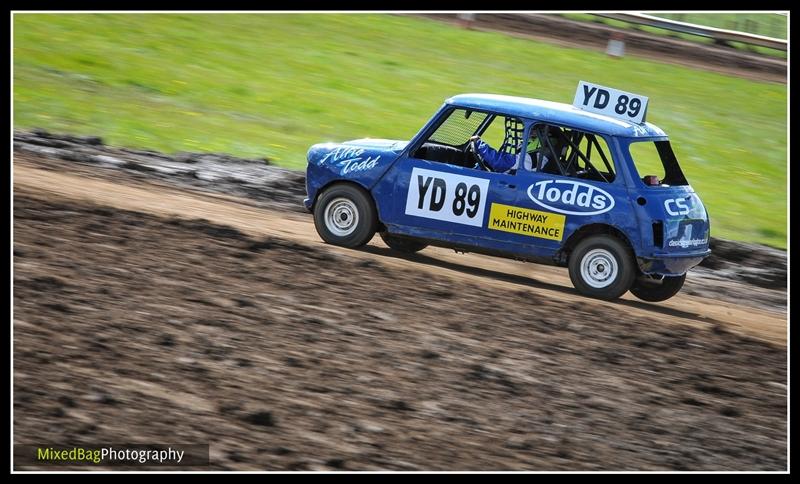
[
  {"x": 498, "y": 150},
  {"x": 495, "y": 133},
  {"x": 504, "y": 133},
  {"x": 502, "y": 145},
  {"x": 592, "y": 153},
  {"x": 446, "y": 144},
  {"x": 570, "y": 152}
]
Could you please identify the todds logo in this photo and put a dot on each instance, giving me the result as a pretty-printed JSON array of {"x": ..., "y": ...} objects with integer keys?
[{"x": 571, "y": 197}]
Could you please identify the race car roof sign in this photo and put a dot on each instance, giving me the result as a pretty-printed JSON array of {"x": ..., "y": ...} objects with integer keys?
[{"x": 610, "y": 102}]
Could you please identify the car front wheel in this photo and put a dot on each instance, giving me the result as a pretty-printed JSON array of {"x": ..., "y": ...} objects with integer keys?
[
  {"x": 652, "y": 289},
  {"x": 344, "y": 215},
  {"x": 602, "y": 267}
]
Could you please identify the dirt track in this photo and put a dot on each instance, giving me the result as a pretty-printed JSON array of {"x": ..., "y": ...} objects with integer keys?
[{"x": 244, "y": 330}]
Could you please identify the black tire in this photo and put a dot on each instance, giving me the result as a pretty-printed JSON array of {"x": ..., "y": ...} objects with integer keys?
[
  {"x": 344, "y": 215},
  {"x": 402, "y": 244},
  {"x": 602, "y": 267},
  {"x": 655, "y": 290}
]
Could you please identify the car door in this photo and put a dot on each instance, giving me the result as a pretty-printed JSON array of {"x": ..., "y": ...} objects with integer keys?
[
  {"x": 429, "y": 193},
  {"x": 515, "y": 221},
  {"x": 586, "y": 193},
  {"x": 526, "y": 222},
  {"x": 446, "y": 202}
]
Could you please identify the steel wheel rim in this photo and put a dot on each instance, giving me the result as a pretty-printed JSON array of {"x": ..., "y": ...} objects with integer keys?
[
  {"x": 599, "y": 268},
  {"x": 341, "y": 217}
]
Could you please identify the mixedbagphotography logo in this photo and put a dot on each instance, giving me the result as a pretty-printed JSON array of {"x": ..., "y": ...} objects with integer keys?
[{"x": 137, "y": 455}]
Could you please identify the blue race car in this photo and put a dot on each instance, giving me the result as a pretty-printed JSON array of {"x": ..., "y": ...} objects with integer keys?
[{"x": 596, "y": 189}]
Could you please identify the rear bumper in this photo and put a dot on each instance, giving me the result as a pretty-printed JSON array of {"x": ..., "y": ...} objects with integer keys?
[{"x": 671, "y": 264}]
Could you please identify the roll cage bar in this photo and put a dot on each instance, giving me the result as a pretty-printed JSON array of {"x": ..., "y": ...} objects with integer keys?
[{"x": 573, "y": 141}]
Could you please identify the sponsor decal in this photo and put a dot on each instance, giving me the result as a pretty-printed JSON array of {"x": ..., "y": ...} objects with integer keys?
[
  {"x": 350, "y": 166},
  {"x": 686, "y": 239},
  {"x": 570, "y": 197},
  {"x": 445, "y": 196},
  {"x": 684, "y": 243},
  {"x": 533, "y": 223},
  {"x": 350, "y": 159},
  {"x": 676, "y": 206}
]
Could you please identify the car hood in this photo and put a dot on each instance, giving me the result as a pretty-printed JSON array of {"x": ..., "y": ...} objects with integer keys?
[
  {"x": 378, "y": 144},
  {"x": 355, "y": 155},
  {"x": 361, "y": 160}
]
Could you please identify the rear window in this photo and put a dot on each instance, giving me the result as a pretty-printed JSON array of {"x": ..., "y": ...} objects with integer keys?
[{"x": 656, "y": 164}]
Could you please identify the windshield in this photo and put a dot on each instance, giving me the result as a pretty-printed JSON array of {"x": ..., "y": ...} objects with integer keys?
[
  {"x": 656, "y": 164},
  {"x": 458, "y": 127}
]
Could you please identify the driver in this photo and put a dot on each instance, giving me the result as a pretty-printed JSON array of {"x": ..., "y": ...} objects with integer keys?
[
  {"x": 510, "y": 154},
  {"x": 542, "y": 153},
  {"x": 500, "y": 161}
]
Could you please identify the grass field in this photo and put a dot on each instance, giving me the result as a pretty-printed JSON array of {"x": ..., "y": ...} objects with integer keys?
[{"x": 272, "y": 85}]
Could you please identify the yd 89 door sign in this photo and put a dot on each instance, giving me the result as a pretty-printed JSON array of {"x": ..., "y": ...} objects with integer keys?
[
  {"x": 445, "y": 196},
  {"x": 436, "y": 198}
]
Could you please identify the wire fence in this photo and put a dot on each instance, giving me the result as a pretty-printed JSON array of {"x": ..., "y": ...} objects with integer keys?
[
  {"x": 768, "y": 24},
  {"x": 717, "y": 34}
]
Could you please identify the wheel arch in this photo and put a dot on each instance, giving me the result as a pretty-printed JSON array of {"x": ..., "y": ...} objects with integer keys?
[
  {"x": 340, "y": 181},
  {"x": 587, "y": 231}
]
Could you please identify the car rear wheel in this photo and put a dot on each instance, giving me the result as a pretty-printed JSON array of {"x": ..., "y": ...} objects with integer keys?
[
  {"x": 652, "y": 289},
  {"x": 344, "y": 215},
  {"x": 602, "y": 267},
  {"x": 402, "y": 244}
]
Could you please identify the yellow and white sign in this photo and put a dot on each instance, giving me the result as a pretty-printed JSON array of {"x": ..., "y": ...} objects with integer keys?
[{"x": 523, "y": 221}]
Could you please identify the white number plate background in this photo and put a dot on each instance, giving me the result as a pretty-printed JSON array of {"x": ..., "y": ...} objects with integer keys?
[
  {"x": 611, "y": 102},
  {"x": 437, "y": 199}
]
